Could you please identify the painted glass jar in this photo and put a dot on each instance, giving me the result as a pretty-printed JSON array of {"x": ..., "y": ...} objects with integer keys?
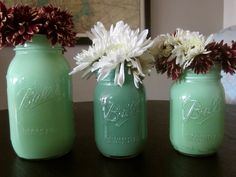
[
  {"x": 120, "y": 118},
  {"x": 197, "y": 109},
  {"x": 39, "y": 101}
]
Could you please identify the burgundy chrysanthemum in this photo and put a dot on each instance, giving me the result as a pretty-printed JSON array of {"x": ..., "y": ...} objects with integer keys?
[
  {"x": 21, "y": 26},
  {"x": 3, "y": 24},
  {"x": 57, "y": 24},
  {"x": 172, "y": 69},
  {"x": 161, "y": 65},
  {"x": 201, "y": 63},
  {"x": 223, "y": 54},
  {"x": 19, "y": 23}
]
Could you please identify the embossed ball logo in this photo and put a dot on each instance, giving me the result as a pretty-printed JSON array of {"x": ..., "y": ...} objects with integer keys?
[
  {"x": 118, "y": 114},
  {"x": 36, "y": 95},
  {"x": 115, "y": 116},
  {"x": 193, "y": 109}
]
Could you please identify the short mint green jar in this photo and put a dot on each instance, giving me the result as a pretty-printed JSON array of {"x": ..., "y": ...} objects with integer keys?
[
  {"x": 197, "y": 108},
  {"x": 39, "y": 101},
  {"x": 120, "y": 118}
]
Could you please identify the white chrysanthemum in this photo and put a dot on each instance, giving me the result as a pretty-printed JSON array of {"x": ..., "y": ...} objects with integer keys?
[
  {"x": 86, "y": 58},
  {"x": 143, "y": 67},
  {"x": 162, "y": 46},
  {"x": 188, "y": 45},
  {"x": 112, "y": 50}
]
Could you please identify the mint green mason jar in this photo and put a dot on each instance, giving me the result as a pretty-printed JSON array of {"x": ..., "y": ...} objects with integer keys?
[
  {"x": 39, "y": 101},
  {"x": 197, "y": 110},
  {"x": 120, "y": 118}
]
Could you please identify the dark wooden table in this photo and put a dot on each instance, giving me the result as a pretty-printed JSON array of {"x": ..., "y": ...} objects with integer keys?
[{"x": 158, "y": 158}]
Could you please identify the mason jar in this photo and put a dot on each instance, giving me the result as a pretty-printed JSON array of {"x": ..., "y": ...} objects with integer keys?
[
  {"x": 120, "y": 117},
  {"x": 39, "y": 101},
  {"x": 197, "y": 110}
]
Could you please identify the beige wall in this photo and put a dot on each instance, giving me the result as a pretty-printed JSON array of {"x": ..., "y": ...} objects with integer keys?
[
  {"x": 166, "y": 15},
  {"x": 229, "y": 13},
  {"x": 205, "y": 16}
]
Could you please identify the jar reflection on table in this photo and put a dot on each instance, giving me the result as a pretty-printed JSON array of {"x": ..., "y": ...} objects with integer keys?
[{"x": 180, "y": 165}]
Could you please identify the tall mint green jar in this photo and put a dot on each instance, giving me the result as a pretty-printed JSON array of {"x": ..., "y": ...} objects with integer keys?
[
  {"x": 120, "y": 118},
  {"x": 197, "y": 113},
  {"x": 39, "y": 101}
]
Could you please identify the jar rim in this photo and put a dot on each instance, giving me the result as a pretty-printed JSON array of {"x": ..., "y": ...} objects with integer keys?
[{"x": 39, "y": 41}]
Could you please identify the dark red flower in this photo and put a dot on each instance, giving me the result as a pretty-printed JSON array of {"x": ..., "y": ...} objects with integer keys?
[
  {"x": 3, "y": 24},
  {"x": 201, "y": 63},
  {"x": 20, "y": 23},
  {"x": 218, "y": 53},
  {"x": 161, "y": 65},
  {"x": 21, "y": 27},
  {"x": 223, "y": 54},
  {"x": 173, "y": 70},
  {"x": 57, "y": 24}
]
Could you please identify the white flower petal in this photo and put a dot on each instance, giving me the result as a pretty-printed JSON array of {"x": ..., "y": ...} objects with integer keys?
[
  {"x": 121, "y": 76},
  {"x": 136, "y": 80},
  {"x": 183, "y": 46},
  {"x": 116, "y": 75}
]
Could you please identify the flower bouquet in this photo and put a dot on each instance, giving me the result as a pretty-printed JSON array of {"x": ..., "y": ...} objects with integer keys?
[
  {"x": 20, "y": 23},
  {"x": 116, "y": 49},
  {"x": 185, "y": 50}
]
